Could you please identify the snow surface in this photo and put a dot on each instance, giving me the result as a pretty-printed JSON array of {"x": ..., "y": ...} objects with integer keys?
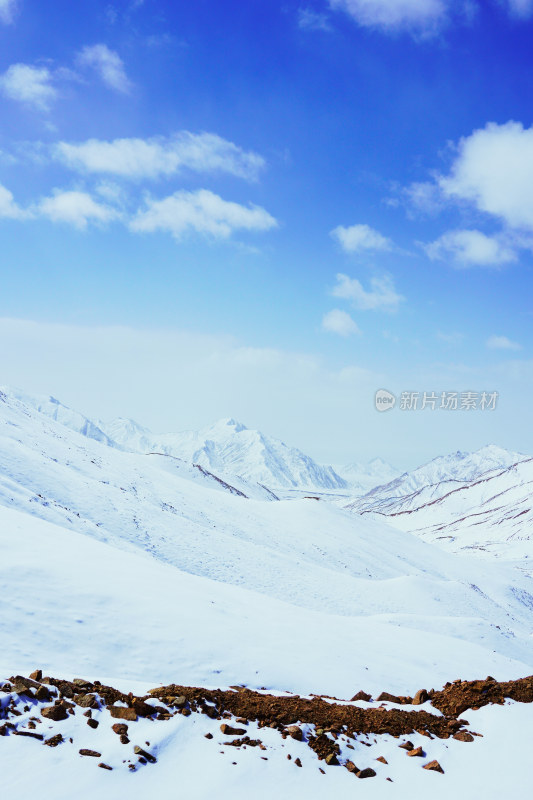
[
  {"x": 140, "y": 570},
  {"x": 484, "y": 509}
]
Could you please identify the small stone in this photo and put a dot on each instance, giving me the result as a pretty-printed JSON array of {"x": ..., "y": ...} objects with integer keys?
[
  {"x": 55, "y": 713},
  {"x": 120, "y": 712},
  {"x": 54, "y": 740},
  {"x": 30, "y": 734},
  {"x": 382, "y": 759},
  {"x": 361, "y": 696},
  {"x": 209, "y": 736},
  {"x": 463, "y": 736},
  {"x": 42, "y": 693},
  {"x": 289, "y": 756},
  {"x": 229, "y": 731},
  {"x": 119, "y": 728},
  {"x": 143, "y": 754},
  {"x": 37, "y": 675},
  {"x": 434, "y": 766},
  {"x": 420, "y": 697},
  {"x": 92, "y": 723},
  {"x": 124, "y": 739},
  {"x": 186, "y": 712},
  {"x": 92, "y": 753},
  {"x": 350, "y": 766},
  {"x": 297, "y": 762},
  {"x": 368, "y": 772},
  {"x": 417, "y": 751},
  {"x": 104, "y": 766},
  {"x": 331, "y": 760},
  {"x": 295, "y": 732},
  {"x": 385, "y": 697},
  {"x": 407, "y": 745}
]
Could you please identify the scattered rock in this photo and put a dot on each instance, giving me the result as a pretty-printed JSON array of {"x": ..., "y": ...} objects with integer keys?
[
  {"x": 120, "y": 728},
  {"x": 420, "y": 697},
  {"x": 124, "y": 739},
  {"x": 331, "y": 760},
  {"x": 382, "y": 759},
  {"x": 37, "y": 675},
  {"x": 368, "y": 772},
  {"x": 361, "y": 696},
  {"x": 295, "y": 732},
  {"x": 104, "y": 766},
  {"x": 92, "y": 753},
  {"x": 350, "y": 766},
  {"x": 229, "y": 731},
  {"x": 144, "y": 754},
  {"x": 434, "y": 766},
  {"x": 29, "y": 733},
  {"x": 54, "y": 740},
  {"x": 208, "y": 736},
  {"x": 92, "y": 723},
  {"x": 408, "y": 745},
  {"x": 121, "y": 712},
  {"x": 55, "y": 713},
  {"x": 297, "y": 762},
  {"x": 417, "y": 751},
  {"x": 463, "y": 736}
]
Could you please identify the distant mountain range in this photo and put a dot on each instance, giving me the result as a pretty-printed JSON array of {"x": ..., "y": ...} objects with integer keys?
[
  {"x": 227, "y": 448},
  {"x": 480, "y": 502}
]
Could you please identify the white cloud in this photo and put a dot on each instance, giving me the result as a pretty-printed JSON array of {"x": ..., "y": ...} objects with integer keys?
[
  {"x": 161, "y": 156},
  {"x": 470, "y": 248},
  {"x": 423, "y": 196},
  {"x": 107, "y": 64},
  {"x": 8, "y": 208},
  {"x": 7, "y": 10},
  {"x": 423, "y": 16},
  {"x": 494, "y": 171},
  {"x": 201, "y": 211},
  {"x": 29, "y": 85},
  {"x": 74, "y": 208},
  {"x": 502, "y": 343},
  {"x": 311, "y": 20},
  {"x": 520, "y": 8},
  {"x": 360, "y": 237},
  {"x": 381, "y": 297},
  {"x": 337, "y": 321}
]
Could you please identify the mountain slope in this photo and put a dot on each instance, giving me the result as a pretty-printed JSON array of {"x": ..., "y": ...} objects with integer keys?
[
  {"x": 485, "y": 511},
  {"x": 306, "y": 553}
]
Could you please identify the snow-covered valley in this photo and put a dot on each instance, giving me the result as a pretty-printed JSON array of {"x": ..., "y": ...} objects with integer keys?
[{"x": 139, "y": 568}]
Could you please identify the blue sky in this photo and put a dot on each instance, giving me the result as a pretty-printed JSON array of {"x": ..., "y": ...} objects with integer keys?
[{"x": 269, "y": 211}]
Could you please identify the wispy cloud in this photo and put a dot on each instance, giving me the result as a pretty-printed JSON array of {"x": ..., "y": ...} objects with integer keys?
[
  {"x": 74, "y": 208},
  {"x": 419, "y": 16},
  {"x": 502, "y": 343},
  {"x": 470, "y": 248},
  {"x": 382, "y": 295},
  {"x": 356, "y": 238},
  {"x": 311, "y": 20},
  {"x": 107, "y": 64},
  {"x": 160, "y": 156},
  {"x": 340, "y": 322},
  {"x": 29, "y": 85},
  {"x": 203, "y": 212},
  {"x": 8, "y": 207},
  {"x": 7, "y": 11}
]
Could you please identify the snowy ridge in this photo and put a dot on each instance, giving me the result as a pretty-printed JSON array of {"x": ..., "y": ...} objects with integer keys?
[{"x": 483, "y": 504}]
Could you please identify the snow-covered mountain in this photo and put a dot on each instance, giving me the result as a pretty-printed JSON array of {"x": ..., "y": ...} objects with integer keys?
[
  {"x": 480, "y": 502},
  {"x": 363, "y": 477},
  {"x": 227, "y": 448},
  {"x": 141, "y": 569}
]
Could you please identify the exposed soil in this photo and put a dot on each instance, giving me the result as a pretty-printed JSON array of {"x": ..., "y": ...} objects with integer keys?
[{"x": 326, "y": 718}]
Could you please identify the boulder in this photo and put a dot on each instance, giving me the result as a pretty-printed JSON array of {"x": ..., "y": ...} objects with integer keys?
[
  {"x": 121, "y": 712},
  {"x": 368, "y": 772},
  {"x": 420, "y": 697},
  {"x": 55, "y": 713},
  {"x": 229, "y": 731}
]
